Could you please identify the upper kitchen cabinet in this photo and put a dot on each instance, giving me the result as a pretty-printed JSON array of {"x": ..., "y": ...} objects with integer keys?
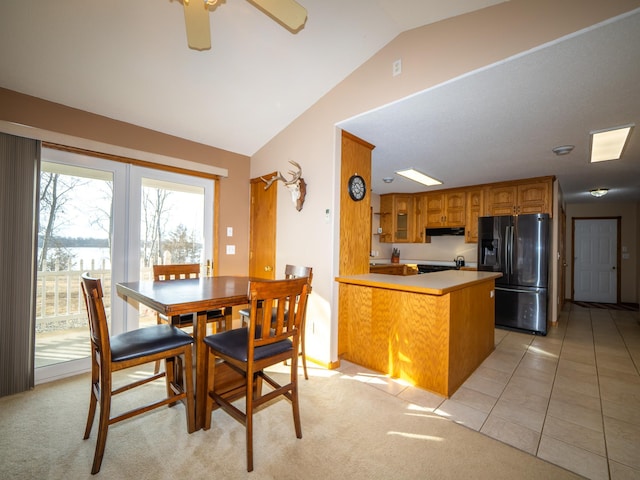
[
  {"x": 397, "y": 218},
  {"x": 446, "y": 209},
  {"x": 474, "y": 210},
  {"x": 515, "y": 198}
]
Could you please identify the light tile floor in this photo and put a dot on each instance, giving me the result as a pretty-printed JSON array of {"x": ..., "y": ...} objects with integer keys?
[{"x": 571, "y": 398}]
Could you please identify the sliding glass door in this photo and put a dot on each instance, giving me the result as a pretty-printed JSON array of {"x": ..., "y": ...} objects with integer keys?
[
  {"x": 115, "y": 221},
  {"x": 170, "y": 226}
]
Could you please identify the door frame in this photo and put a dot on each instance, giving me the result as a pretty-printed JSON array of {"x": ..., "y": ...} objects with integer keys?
[
  {"x": 267, "y": 200},
  {"x": 562, "y": 245},
  {"x": 123, "y": 315},
  {"x": 618, "y": 248}
]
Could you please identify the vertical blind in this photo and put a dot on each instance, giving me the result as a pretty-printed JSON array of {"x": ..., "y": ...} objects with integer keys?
[{"x": 19, "y": 177}]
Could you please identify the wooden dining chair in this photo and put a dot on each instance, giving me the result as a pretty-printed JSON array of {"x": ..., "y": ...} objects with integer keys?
[
  {"x": 291, "y": 271},
  {"x": 265, "y": 342},
  {"x": 129, "y": 349},
  {"x": 163, "y": 273}
]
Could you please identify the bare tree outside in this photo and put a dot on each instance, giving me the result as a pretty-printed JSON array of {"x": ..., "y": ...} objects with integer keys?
[
  {"x": 155, "y": 215},
  {"x": 54, "y": 189},
  {"x": 158, "y": 243},
  {"x": 102, "y": 217},
  {"x": 77, "y": 220},
  {"x": 183, "y": 246}
]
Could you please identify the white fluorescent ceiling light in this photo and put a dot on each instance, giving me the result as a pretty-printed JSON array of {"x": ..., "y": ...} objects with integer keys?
[
  {"x": 609, "y": 144},
  {"x": 416, "y": 176}
]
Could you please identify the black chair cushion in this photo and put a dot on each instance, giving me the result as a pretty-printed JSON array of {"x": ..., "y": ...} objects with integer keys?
[
  {"x": 147, "y": 341},
  {"x": 233, "y": 343}
]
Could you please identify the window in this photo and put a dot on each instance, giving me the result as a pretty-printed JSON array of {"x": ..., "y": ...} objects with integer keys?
[{"x": 116, "y": 221}]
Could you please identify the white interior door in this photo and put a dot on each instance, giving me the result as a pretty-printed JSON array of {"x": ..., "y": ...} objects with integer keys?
[{"x": 595, "y": 259}]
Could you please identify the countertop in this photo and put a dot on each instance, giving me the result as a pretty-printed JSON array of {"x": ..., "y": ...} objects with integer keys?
[
  {"x": 385, "y": 261},
  {"x": 437, "y": 283}
]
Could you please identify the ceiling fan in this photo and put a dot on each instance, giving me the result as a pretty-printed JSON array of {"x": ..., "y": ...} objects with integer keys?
[{"x": 288, "y": 13}]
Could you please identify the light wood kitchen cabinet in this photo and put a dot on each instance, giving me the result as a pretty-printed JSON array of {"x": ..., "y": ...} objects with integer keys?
[
  {"x": 446, "y": 209},
  {"x": 474, "y": 210},
  {"x": 520, "y": 198},
  {"x": 420, "y": 202},
  {"x": 397, "y": 218},
  {"x": 394, "y": 269},
  {"x": 404, "y": 217}
]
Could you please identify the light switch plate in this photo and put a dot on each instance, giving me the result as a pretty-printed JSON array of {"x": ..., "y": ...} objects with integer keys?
[
  {"x": 231, "y": 249},
  {"x": 229, "y": 231}
]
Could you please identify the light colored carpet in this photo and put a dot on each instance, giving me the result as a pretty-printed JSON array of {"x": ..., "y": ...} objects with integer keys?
[{"x": 350, "y": 430}]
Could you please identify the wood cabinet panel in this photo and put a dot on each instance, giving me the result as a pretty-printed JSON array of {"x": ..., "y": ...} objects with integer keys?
[
  {"x": 394, "y": 269},
  {"x": 355, "y": 217},
  {"x": 517, "y": 198},
  {"x": 534, "y": 198},
  {"x": 460, "y": 207},
  {"x": 446, "y": 209},
  {"x": 397, "y": 218},
  {"x": 473, "y": 212},
  {"x": 432, "y": 341},
  {"x": 501, "y": 200}
]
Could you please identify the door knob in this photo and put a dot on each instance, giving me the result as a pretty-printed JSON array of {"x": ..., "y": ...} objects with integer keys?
[{"x": 268, "y": 268}]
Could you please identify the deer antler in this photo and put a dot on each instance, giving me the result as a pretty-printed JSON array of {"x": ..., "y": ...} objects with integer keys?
[
  {"x": 272, "y": 179},
  {"x": 295, "y": 176}
]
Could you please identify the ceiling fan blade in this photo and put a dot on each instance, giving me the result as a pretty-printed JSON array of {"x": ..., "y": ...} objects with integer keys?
[
  {"x": 196, "y": 17},
  {"x": 287, "y": 12}
]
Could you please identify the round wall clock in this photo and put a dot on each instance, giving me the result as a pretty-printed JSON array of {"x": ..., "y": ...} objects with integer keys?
[{"x": 357, "y": 187}]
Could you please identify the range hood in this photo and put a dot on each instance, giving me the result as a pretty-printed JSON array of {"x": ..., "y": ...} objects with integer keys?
[{"x": 439, "y": 232}]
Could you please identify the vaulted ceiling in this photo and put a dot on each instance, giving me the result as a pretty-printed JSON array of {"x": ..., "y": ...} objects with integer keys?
[{"x": 129, "y": 60}]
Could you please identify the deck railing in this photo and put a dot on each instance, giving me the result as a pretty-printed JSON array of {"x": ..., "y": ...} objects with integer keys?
[{"x": 60, "y": 305}]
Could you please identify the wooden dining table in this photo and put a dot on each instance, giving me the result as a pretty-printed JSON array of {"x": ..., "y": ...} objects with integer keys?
[{"x": 193, "y": 295}]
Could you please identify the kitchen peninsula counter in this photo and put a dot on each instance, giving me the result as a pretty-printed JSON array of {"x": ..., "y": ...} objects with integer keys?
[{"x": 432, "y": 330}]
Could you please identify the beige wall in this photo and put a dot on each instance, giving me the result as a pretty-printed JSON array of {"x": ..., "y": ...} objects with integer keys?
[
  {"x": 629, "y": 231},
  {"x": 430, "y": 55},
  {"x": 61, "y": 124}
]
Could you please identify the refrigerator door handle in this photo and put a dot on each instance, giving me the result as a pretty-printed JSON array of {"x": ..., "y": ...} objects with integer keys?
[
  {"x": 506, "y": 249},
  {"x": 511, "y": 250},
  {"x": 537, "y": 290}
]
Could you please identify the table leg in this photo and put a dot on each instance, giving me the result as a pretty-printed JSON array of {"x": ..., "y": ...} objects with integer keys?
[
  {"x": 199, "y": 332},
  {"x": 228, "y": 318}
]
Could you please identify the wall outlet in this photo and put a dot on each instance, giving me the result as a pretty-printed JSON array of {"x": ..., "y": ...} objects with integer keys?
[{"x": 397, "y": 67}]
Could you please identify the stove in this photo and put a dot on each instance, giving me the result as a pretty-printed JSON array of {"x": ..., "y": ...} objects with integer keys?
[{"x": 426, "y": 268}]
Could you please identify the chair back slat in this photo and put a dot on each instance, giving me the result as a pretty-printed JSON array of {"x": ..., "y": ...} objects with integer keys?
[
  {"x": 176, "y": 271},
  {"x": 279, "y": 296},
  {"x": 297, "y": 271},
  {"x": 98, "y": 325}
]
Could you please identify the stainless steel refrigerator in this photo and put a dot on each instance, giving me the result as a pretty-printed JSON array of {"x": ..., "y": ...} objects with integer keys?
[{"x": 517, "y": 246}]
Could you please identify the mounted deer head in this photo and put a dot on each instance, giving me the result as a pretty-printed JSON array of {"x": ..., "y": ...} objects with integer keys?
[{"x": 297, "y": 186}]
